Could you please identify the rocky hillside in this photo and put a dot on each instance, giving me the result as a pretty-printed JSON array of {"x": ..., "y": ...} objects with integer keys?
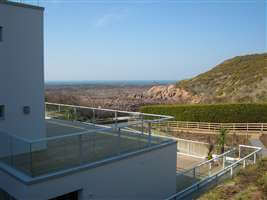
[{"x": 240, "y": 79}]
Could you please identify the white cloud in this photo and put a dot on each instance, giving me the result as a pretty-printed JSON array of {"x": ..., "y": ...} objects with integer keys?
[{"x": 111, "y": 18}]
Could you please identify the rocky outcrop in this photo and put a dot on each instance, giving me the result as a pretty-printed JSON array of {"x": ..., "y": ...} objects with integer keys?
[{"x": 171, "y": 93}]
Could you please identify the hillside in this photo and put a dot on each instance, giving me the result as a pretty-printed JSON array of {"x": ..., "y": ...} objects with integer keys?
[{"x": 240, "y": 79}]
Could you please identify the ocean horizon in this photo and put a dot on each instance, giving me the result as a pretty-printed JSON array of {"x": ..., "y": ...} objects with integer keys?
[{"x": 112, "y": 82}]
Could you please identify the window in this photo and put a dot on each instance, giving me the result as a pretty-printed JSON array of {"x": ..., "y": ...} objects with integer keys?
[
  {"x": 26, "y": 110},
  {"x": 69, "y": 196},
  {"x": 2, "y": 112},
  {"x": 1, "y": 33}
]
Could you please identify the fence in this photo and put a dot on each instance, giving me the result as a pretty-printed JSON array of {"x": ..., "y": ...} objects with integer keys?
[
  {"x": 209, "y": 171},
  {"x": 212, "y": 127}
]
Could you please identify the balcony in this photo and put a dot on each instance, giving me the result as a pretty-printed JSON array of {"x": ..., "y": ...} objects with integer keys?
[{"x": 79, "y": 137}]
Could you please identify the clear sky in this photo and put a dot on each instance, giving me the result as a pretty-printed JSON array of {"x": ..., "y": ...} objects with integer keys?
[{"x": 148, "y": 40}]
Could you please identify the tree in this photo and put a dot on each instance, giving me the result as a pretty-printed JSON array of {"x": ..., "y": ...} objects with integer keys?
[{"x": 221, "y": 139}]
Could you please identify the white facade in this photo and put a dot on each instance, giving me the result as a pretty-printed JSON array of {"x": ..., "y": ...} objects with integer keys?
[{"x": 22, "y": 70}]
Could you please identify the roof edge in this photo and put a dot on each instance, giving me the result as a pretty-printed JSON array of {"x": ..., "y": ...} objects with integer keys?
[{"x": 22, "y": 5}]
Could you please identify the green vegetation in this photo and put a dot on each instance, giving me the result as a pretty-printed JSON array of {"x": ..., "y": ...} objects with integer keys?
[
  {"x": 221, "y": 140},
  {"x": 242, "y": 79},
  {"x": 249, "y": 183},
  {"x": 216, "y": 113}
]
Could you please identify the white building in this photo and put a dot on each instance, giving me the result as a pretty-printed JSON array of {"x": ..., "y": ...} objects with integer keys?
[{"x": 78, "y": 160}]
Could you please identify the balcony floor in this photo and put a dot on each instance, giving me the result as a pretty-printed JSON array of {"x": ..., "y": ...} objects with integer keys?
[{"x": 76, "y": 150}]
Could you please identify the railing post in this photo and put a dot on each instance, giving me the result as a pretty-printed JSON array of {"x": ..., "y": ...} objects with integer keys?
[
  {"x": 93, "y": 116},
  {"x": 116, "y": 120},
  {"x": 194, "y": 172},
  {"x": 80, "y": 149},
  {"x": 59, "y": 109},
  {"x": 31, "y": 168},
  {"x": 119, "y": 141},
  {"x": 75, "y": 114},
  {"x": 239, "y": 154},
  {"x": 244, "y": 163},
  {"x": 223, "y": 162},
  {"x": 231, "y": 172},
  {"x": 188, "y": 148},
  {"x": 11, "y": 151},
  {"x": 210, "y": 169},
  {"x": 142, "y": 126},
  {"x": 149, "y": 132}
]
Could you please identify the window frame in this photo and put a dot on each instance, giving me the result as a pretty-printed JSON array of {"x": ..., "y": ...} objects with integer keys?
[
  {"x": 2, "y": 112},
  {"x": 1, "y": 33}
]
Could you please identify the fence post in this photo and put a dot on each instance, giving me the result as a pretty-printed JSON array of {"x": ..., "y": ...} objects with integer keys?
[
  {"x": 244, "y": 163},
  {"x": 231, "y": 172},
  {"x": 255, "y": 157},
  {"x": 234, "y": 127}
]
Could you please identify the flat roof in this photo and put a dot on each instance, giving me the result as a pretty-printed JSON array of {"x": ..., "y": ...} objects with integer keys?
[{"x": 22, "y": 5}]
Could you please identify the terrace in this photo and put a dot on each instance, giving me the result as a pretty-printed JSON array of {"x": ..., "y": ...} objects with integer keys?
[{"x": 80, "y": 137}]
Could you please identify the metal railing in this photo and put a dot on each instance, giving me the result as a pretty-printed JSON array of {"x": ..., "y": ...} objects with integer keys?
[
  {"x": 93, "y": 134},
  {"x": 212, "y": 127},
  {"x": 201, "y": 175},
  {"x": 28, "y": 2}
]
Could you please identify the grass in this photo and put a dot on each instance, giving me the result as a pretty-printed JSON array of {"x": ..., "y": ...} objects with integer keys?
[{"x": 249, "y": 183}]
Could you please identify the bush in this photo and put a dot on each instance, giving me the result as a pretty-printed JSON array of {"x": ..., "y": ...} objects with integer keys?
[{"x": 216, "y": 113}]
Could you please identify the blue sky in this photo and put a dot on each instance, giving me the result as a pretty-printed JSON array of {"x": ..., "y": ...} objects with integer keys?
[{"x": 148, "y": 40}]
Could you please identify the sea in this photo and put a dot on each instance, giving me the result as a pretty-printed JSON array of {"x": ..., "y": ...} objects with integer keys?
[{"x": 112, "y": 82}]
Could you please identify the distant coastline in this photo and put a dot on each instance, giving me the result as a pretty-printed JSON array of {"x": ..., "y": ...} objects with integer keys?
[{"x": 113, "y": 82}]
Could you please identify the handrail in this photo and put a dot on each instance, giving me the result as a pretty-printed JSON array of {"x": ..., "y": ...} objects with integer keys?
[
  {"x": 163, "y": 117},
  {"x": 208, "y": 161},
  {"x": 216, "y": 174}
]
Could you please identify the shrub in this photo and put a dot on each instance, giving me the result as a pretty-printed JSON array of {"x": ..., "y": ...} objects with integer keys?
[{"x": 216, "y": 113}]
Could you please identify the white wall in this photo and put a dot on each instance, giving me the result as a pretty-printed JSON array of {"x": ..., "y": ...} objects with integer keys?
[
  {"x": 22, "y": 70},
  {"x": 150, "y": 175}
]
